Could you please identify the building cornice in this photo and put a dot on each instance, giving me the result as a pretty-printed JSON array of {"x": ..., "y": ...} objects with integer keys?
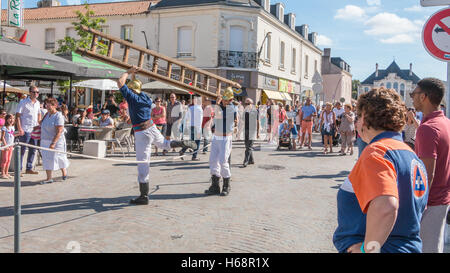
[{"x": 258, "y": 11}]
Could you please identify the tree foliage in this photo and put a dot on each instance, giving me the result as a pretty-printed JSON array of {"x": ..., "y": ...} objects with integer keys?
[{"x": 88, "y": 19}]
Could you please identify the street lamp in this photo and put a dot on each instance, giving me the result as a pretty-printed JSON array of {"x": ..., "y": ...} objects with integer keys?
[
  {"x": 146, "y": 45},
  {"x": 260, "y": 49}
]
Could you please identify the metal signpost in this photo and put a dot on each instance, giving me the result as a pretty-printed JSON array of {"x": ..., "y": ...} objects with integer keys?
[{"x": 436, "y": 40}]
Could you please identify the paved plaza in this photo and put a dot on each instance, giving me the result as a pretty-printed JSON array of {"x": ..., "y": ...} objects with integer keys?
[{"x": 286, "y": 202}]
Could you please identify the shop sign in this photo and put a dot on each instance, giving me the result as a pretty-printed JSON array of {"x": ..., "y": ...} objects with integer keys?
[{"x": 286, "y": 86}]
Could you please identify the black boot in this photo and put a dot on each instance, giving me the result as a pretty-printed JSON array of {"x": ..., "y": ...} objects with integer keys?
[
  {"x": 143, "y": 198},
  {"x": 185, "y": 144},
  {"x": 226, "y": 187},
  {"x": 214, "y": 188}
]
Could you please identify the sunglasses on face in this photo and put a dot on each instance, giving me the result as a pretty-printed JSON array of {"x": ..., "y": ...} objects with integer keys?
[
  {"x": 413, "y": 94},
  {"x": 35, "y": 92}
]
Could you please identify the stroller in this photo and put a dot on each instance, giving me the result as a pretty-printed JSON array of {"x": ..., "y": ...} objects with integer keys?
[{"x": 285, "y": 140}]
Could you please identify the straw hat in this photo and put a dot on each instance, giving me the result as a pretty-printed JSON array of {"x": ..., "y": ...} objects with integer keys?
[
  {"x": 135, "y": 85},
  {"x": 228, "y": 94}
]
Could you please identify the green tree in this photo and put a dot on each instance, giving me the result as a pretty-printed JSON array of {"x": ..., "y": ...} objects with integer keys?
[
  {"x": 69, "y": 44},
  {"x": 355, "y": 85}
]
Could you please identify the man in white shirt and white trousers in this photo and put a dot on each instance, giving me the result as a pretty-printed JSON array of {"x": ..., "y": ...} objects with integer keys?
[{"x": 225, "y": 118}]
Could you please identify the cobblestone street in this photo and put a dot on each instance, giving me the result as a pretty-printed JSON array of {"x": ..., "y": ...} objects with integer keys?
[{"x": 286, "y": 202}]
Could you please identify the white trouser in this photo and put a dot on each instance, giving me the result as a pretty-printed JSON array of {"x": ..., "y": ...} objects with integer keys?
[
  {"x": 432, "y": 228},
  {"x": 144, "y": 140},
  {"x": 220, "y": 153}
]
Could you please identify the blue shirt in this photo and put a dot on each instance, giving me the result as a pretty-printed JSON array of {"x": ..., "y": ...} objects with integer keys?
[
  {"x": 308, "y": 110},
  {"x": 386, "y": 167},
  {"x": 293, "y": 130},
  {"x": 139, "y": 105}
]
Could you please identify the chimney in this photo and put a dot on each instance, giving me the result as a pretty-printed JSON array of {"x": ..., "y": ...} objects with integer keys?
[
  {"x": 327, "y": 53},
  {"x": 376, "y": 70},
  {"x": 410, "y": 69}
]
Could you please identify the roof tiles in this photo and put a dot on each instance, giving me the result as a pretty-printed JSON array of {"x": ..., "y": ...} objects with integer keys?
[{"x": 100, "y": 9}]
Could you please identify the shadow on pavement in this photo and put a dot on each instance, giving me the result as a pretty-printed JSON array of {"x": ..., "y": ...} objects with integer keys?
[
  {"x": 96, "y": 204},
  {"x": 324, "y": 176},
  {"x": 175, "y": 196}
]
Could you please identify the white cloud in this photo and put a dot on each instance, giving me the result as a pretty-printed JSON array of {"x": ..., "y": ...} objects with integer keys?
[
  {"x": 350, "y": 12},
  {"x": 323, "y": 40},
  {"x": 389, "y": 28},
  {"x": 390, "y": 24},
  {"x": 374, "y": 2},
  {"x": 399, "y": 39},
  {"x": 415, "y": 8}
]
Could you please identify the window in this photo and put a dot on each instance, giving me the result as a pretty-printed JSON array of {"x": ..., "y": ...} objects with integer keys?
[
  {"x": 282, "y": 54},
  {"x": 281, "y": 13},
  {"x": 402, "y": 90},
  {"x": 366, "y": 89},
  {"x": 104, "y": 29},
  {"x": 268, "y": 48},
  {"x": 185, "y": 42},
  {"x": 237, "y": 38},
  {"x": 396, "y": 86},
  {"x": 315, "y": 66},
  {"x": 49, "y": 38},
  {"x": 294, "y": 57},
  {"x": 71, "y": 32},
  {"x": 306, "y": 66},
  {"x": 267, "y": 5},
  {"x": 388, "y": 85},
  {"x": 126, "y": 33}
]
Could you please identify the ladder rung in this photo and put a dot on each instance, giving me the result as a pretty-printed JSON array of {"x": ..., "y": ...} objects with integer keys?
[
  {"x": 94, "y": 43},
  {"x": 141, "y": 59},
  {"x": 110, "y": 48},
  {"x": 126, "y": 54}
]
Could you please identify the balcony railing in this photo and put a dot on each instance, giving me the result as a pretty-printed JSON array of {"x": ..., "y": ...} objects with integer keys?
[{"x": 237, "y": 59}]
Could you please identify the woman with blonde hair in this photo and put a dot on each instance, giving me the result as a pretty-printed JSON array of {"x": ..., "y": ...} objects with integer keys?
[{"x": 328, "y": 121}]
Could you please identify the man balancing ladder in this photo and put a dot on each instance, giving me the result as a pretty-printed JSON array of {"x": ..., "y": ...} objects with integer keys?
[{"x": 145, "y": 131}]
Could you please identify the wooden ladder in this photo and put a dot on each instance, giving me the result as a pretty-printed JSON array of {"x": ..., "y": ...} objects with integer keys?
[{"x": 159, "y": 66}]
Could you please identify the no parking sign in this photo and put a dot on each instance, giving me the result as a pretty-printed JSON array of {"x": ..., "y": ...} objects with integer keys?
[{"x": 436, "y": 35}]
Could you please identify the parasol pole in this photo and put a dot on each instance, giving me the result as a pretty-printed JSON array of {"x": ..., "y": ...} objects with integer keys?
[
  {"x": 4, "y": 92},
  {"x": 70, "y": 93}
]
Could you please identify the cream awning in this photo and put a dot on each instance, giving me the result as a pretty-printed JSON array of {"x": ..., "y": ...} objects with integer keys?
[
  {"x": 274, "y": 95},
  {"x": 286, "y": 96}
]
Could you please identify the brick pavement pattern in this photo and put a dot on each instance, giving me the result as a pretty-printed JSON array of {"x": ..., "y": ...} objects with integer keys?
[{"x": 289, "y": 209}]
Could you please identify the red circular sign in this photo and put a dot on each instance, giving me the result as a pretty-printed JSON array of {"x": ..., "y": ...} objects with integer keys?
[{"x": 436, "y": 35}]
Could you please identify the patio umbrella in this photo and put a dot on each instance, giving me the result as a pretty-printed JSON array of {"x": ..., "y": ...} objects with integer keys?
[
  {"x": 10, "y": 89},
  {"x": 92, "y": 69},
  {"x": 104, "y": 84},
  {"x": 157, "y": 85},
  {"x": 18, "y": 60}
]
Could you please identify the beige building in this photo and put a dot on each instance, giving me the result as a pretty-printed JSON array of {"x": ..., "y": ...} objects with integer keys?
[
  {"x": 252, "y": 42},
  {"x": 404, "y": 81},
  {"x": 337, "y": 80}
]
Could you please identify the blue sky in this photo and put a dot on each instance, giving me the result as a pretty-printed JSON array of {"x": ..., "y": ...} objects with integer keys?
[{"x": 362, "y": 32}]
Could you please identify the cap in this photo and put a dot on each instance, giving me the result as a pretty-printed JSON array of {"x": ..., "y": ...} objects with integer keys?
[{"x": 105, "y": 111}]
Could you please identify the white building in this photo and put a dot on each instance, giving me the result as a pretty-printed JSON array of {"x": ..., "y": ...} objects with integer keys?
[
  {"x": 223, "y": 37},
  {"x": 404, "y": 81}
]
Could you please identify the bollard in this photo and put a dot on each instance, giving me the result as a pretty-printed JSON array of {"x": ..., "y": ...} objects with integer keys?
[{"x": 17, "y": 208}]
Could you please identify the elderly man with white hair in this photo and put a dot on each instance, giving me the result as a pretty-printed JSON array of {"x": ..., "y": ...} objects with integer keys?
[{"x": 251, "y": 130}]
